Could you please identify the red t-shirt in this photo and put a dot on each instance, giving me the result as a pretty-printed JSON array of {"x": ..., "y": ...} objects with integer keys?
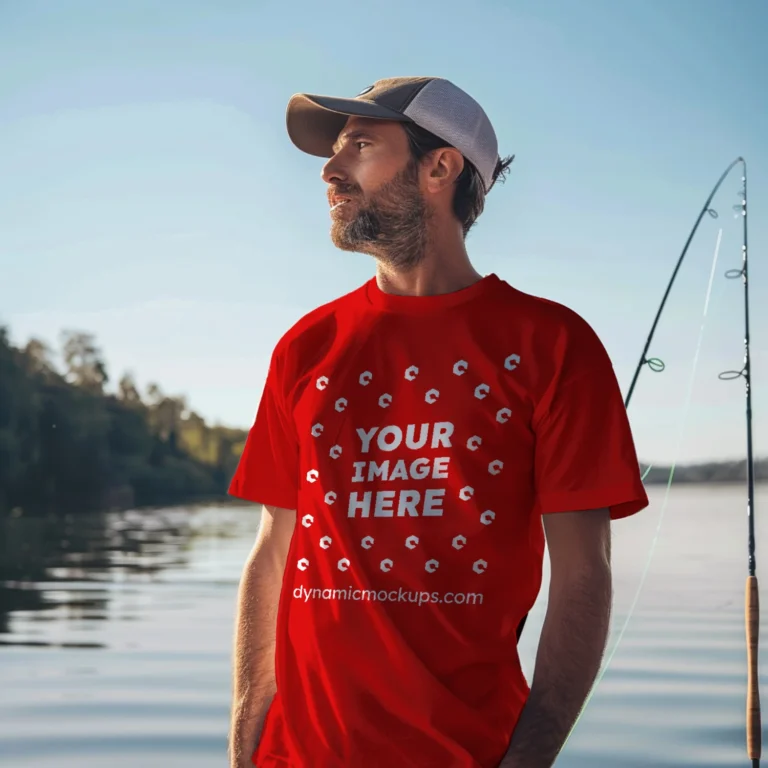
[{"x": 420, "y": 440}]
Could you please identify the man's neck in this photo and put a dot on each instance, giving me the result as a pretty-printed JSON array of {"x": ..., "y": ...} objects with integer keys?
[{"x": 445, "y": 268}]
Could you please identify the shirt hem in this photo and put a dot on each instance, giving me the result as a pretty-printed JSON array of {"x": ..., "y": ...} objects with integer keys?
[
  {"x": 265, "y": 498},
  {"x": 620, "y": 502}
]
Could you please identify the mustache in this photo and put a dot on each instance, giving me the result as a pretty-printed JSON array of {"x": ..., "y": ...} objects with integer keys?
[{"x": 343, "y": 190}]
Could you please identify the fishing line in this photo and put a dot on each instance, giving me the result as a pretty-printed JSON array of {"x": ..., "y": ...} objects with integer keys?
[{"x": 681, "y": 431}]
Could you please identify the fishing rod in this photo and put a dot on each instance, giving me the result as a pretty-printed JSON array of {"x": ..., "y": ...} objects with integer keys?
[{"x": 752, "y": 602}]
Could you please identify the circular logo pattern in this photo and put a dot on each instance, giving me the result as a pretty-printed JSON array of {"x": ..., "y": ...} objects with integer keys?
[{"x": 473, "y": 443}]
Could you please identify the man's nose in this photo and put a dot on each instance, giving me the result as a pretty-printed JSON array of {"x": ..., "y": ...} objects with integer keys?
[{"x": 333, "y": 172}]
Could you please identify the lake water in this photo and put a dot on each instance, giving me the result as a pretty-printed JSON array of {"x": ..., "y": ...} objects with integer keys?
[{"x": 116, "y": 633}]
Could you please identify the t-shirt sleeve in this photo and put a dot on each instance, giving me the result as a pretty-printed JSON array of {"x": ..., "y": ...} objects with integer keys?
[
  {"x": 268, "y": 470},
  {"x": 585, "y": 453}
]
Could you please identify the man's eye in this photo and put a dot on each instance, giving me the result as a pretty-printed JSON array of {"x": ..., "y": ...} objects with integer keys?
[{"x": 361, "y": 144}]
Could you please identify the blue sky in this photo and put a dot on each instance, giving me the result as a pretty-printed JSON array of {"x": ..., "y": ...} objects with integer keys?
[{"x": 149, "y": 193}]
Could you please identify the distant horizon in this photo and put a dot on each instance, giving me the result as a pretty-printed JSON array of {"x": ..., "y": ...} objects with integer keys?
[{"x": 704, "y": 462}]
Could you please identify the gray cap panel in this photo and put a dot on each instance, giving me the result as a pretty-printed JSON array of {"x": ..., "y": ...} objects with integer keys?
[{"x": 445, "y": 110}]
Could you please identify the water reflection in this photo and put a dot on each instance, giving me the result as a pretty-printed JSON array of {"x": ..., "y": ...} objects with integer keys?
[
  {"x": 71, "y": 569},
  {"x": 135, "y": 612}
]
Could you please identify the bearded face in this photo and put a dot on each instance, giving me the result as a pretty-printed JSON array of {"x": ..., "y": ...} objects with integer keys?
[{"x": 389, "y": 223}]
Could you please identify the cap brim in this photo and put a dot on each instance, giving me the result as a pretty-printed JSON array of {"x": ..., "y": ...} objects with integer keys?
[{"x": 315, "y": 122}]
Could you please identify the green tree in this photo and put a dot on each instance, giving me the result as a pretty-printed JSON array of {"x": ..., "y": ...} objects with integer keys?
[
  {"x": 84, "y": 364},
  {"x": 127, "y": 391},
  {"x": 39, "y": 358}
]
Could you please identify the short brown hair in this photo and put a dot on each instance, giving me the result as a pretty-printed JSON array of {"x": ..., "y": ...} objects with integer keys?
[{"x": 469, "y": 196}]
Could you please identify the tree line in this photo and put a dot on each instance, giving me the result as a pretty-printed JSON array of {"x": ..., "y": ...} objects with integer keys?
[{"x": 67, "y": 445}]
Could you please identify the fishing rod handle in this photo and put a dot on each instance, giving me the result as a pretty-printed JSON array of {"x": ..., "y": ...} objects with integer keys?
[{"x": 752, "y": 615}]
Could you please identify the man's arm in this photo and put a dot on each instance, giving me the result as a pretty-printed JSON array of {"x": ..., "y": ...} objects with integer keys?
[
  {"x": 254, "y": 652},
  {"x": 573, "y": 637}
]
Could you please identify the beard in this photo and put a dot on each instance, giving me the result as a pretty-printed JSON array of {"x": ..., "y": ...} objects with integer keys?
[{"x": 390, "y": 224}]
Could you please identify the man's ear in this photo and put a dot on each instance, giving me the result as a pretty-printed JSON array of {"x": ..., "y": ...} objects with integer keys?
[{"x": 443, "y": 167}]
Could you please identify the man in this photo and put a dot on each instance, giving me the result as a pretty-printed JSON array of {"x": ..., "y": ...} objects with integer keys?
[{"x": 416, "y": 440}]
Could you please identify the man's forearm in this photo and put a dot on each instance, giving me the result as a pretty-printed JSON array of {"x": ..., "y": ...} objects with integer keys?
[
  {"x": 571, "y": 647},
  {"x": 254, "y": 659}
]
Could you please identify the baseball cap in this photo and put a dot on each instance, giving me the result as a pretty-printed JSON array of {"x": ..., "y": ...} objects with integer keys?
[{"x": 433, "y": 103}]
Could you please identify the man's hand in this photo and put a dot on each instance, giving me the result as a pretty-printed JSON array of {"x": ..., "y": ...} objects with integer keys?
[{"x": 573, "y": 637}]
